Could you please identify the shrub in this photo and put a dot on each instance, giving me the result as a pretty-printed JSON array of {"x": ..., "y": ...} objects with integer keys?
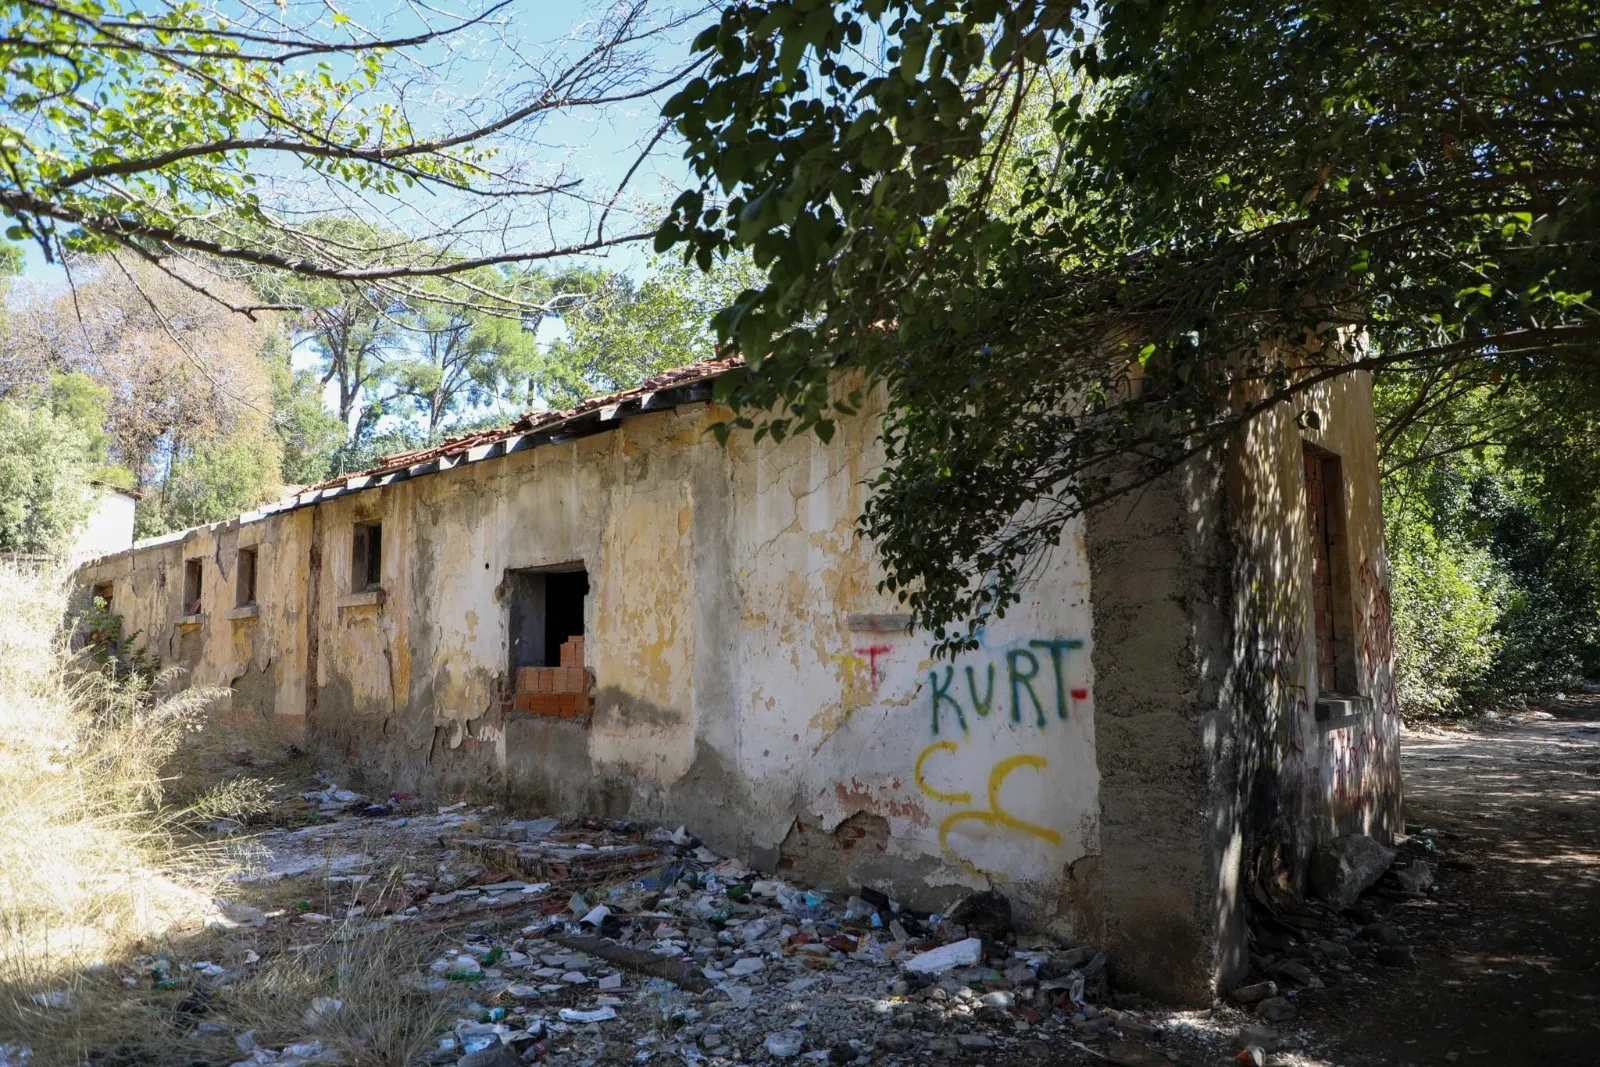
[{"x": 1448, "y": 600}]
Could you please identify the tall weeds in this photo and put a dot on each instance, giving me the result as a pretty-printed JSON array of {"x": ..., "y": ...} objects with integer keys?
[{"x": 88, "y": 863}]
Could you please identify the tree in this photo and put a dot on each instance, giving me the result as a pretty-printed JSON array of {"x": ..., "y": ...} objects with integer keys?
[
  {"x": 215, "y": 480},
  {"x": 174, "y": 130},
  {"x": 463, "y": 356},
  {"x": 1493, "y": 524},
  {"x": 308, "y": 433},
  {"x": 623, "y": 332},
  {"x": 1230, "y": 203},
  {"x": 354, "y": 332},
  {"x": 178, "y": 370},
  {"x": 47, "y": 456}
]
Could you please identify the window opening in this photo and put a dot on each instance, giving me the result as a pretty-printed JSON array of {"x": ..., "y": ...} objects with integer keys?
[
  {"x": 102, "y": 592},
  {"x": 547, "y": 657},
  {"x": 564, "y": 595},
  {"x": 546, "y": 613},
  {"x": 191, "y": 586},
  {"x": 366, "y": 556},
  {"x": 245, "y": 589}
]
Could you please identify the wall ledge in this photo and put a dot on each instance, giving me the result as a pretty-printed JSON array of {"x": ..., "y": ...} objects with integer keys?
[
  {"x": 245, "y": 611},
  {"x": 366, "y": 598},
  {"x": 878, "y": 624},
  {"x": 1335, "y": 711},
  {"x": 189, "y": 622}
]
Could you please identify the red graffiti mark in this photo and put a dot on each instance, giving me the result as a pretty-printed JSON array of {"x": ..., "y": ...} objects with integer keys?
[
  {"x": 873, "y": 652},
  {"x": 1378, "y": 631},
  {"x": 1080, "y": 694}
]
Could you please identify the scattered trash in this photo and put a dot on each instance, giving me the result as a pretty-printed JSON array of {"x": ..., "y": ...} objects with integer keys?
[
  {"x": 59, "y": 999},
  {"x": 947, "y": 957},
  {"x": 554, "y": 927},
  {"x": 321, "y": 1011}
]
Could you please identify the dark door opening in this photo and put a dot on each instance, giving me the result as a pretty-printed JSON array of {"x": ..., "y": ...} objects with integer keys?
[
  {"x": 546, "y": 611},
  {"x": 564, "y": 593},
  {"x": 1330, "y": 572}
]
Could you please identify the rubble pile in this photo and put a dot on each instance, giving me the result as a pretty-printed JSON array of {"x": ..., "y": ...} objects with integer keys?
[
  {"x": 601, "y": 942},
  {"x": 1299, "y": 946},
  {"x": 585, "y": 942}
]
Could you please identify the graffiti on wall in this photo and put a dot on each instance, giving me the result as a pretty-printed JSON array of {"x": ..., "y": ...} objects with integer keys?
[
  {"x": 864, "y": 663},
  {"x": 994, "y": 813},
  {"x": 1026, "y": 685},
  {"x": 1027, "y": 682}
]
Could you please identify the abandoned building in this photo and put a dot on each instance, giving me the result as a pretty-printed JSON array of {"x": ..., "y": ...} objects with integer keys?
[{"x": 606, "y": 611}]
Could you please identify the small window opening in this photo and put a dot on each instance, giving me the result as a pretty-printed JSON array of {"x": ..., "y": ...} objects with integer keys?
[
  {"x": 366, "y": 557},
  {"x": 245, "y": 587},
  {"x": 547, "y": 615},
  {"x": 192, "y": 586},
  {"x": 1330, "y": 572},
  {"x": 102, "y": 592}
]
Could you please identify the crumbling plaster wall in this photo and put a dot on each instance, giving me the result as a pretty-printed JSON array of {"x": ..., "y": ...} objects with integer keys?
[
  {"x": 1213, "y": 766},
  {"x": 1304, "y": 779},
  {"x": 255, "y": 657},
  {"x": 732, "y": 693}
]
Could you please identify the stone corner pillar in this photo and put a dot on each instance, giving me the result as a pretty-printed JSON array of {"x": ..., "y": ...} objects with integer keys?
[{"x": 1171, "y": 863}]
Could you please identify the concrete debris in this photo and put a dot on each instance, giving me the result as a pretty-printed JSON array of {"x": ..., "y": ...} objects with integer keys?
[
  {"x": 1415, "y": 878},
  {"x": 986, "y": 915},
  {"x": 1396, "y": 955},
  {"x": 1133, "y": 1054},
  {"x": 784, "y": 1044},
  {"x": 1255, "y": 991},
  {"x": 1276, "y": 1009},
  {"x": 1346, "y": 866},
  {"x": 586, "y": 941}
]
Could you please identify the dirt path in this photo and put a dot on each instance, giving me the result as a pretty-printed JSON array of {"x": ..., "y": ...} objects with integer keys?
[{"x": 1508, "y": 951}]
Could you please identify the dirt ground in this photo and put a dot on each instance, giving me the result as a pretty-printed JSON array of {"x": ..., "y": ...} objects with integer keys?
[
  {"x": 1508, "y": 949},
  {"x": 421, "y": 924}
]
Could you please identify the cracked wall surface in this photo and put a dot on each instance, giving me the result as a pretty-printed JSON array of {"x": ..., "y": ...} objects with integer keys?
[
  {"x": 1114, "y": 763},
  {"x": 731, "y": 692}
]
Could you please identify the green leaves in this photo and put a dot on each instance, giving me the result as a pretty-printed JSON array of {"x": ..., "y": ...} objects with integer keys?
[{"x": 1058, "y": 239}]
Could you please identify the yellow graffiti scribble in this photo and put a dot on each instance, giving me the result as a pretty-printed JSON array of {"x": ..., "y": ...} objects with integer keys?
[
  {"x": 995, "y": 815},
  {"x": 928, "y": 790}
]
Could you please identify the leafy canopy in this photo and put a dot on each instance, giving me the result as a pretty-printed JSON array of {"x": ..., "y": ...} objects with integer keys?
[
  {"x": 225, "y": 130},
  {"x": 1226, "y": 203}
]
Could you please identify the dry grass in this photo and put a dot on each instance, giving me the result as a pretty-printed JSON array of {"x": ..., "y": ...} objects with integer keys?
[
  {"x": 92, "y": 861},
  {"x": 370, "y": 972},
  {"x": 104, "y": 786},
  {"x": 85, "y": 848}
]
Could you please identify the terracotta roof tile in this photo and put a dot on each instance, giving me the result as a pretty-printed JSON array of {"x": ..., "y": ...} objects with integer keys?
[{"x": 534, "y": 420}]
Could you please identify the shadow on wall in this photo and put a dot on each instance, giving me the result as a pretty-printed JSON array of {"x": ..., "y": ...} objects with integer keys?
[{"x": 1312, "y": 633}]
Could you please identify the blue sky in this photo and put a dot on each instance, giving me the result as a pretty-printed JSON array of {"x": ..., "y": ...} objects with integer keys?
[
  {"x": 485, "y": 63},
  {"x": 598, "y": 149}
]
